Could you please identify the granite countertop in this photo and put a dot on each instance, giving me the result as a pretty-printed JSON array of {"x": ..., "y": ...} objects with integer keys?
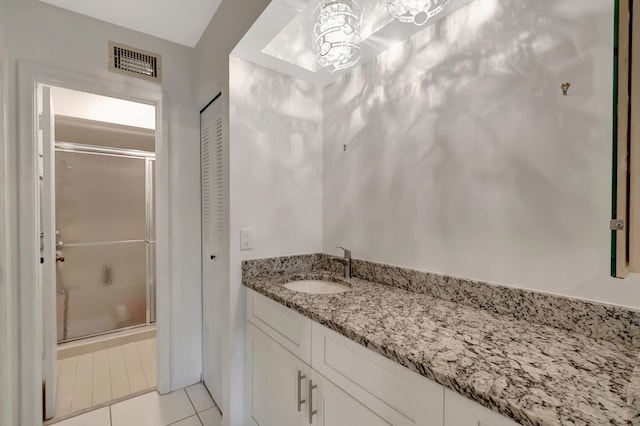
[{"x": 535, "y": 374}]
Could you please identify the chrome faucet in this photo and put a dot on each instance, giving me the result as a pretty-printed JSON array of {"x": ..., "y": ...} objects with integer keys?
[{"x": 346, "y": 261}]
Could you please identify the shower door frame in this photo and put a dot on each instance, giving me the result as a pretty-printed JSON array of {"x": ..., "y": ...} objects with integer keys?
[
  {"x": 26, "y": 241},
  {"x": 149, "y": 159}
]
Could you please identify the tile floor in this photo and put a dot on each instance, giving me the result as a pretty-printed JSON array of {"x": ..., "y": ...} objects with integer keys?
[
  {"x": 97, "y": 378},
  {"x": 188, "y": 407}
]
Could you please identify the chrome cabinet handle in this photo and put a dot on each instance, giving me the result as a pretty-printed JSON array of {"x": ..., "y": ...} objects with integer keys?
[
  {"x": 311, "y": 410},
  {"x": 300, "y": 400}
]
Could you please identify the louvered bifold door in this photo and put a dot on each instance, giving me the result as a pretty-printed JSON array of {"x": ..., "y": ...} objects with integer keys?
[{"x": 214, "y": 254}]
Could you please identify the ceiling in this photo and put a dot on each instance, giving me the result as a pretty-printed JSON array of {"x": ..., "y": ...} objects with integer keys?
[
  {"x": 181, "y": 21},
  {"x": 282, "y": 37}
]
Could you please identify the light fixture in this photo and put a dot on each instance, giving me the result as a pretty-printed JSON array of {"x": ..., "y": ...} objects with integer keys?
[
  {"x": 415, "y": 11},
  {"x": 337, "y": 34}
]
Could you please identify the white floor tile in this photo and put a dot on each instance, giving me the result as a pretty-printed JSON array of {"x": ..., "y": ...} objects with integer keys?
[
  {"x": 98, "y": 417},
  {"x": 191, "y": 421},
  {"x": 211, "y": 417},
  {"x": 200, "y": 397},
  {"x": 152, "y": 409}
]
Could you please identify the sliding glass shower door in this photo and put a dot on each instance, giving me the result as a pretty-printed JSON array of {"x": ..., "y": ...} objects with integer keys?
[{"x": 105, "y": 234}]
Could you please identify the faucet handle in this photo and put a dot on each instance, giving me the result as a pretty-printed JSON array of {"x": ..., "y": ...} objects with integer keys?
[{"x": 347, "y": 252}]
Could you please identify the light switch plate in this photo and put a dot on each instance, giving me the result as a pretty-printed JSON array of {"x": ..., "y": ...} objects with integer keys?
[{"x": 246, "y": 242}]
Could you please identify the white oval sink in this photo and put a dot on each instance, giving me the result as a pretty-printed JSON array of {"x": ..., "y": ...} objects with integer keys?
[{"x": 316, "y": 287}]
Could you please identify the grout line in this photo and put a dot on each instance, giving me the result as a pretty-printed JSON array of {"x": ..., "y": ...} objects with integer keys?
[
  {"x": 81, "y": 382},
  {"x": 75, "y": 382},
  {"x": 192, "y": 404},
  {"x": 134, "y": 345},
  {"x": 178, "y": 421},
  {"x": 110, "y": 381},
  {"x": 144, "y": 373},
  {"x": 110, "y": 416},
  {"x": 213, "y": 401},
  {"x": 93, "y": 365},
  {"x": 73, "y": 392},
  {"x": 126, "y": 369},
  {"x": 189, "y": 416},
  {"x": 59, "y": 368}
]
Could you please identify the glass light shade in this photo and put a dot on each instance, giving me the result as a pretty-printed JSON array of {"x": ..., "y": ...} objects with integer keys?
[
  {"x": 415, "y": 11},
  {"x": 337, "y": 34}
]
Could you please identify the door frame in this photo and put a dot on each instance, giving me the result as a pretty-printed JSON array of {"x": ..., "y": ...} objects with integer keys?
[
  {"x": 30, "y": 76},
  {"x": 8, "y": 299}
]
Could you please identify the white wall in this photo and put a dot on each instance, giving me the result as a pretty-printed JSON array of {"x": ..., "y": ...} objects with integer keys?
[
  {"x": 464, "y": 158},
  {"x": 276, "y": 161},
  {"x": 275, "y": 174},
  {"x": 63, "y": 40},
  {"x": 103, "y": 108},
  {"x": 227, "y": 27}
]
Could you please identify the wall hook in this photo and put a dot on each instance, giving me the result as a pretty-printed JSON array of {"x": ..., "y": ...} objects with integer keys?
[{"x": 565, "y": 87}]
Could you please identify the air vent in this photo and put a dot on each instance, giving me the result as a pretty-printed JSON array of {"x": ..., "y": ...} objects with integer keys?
[{"x": 134, "y": 62}]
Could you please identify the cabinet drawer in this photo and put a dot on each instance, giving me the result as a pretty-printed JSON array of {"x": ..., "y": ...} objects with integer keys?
[
  {"x": 285, "y": 326},
  {"x": 398, "y": 395}
]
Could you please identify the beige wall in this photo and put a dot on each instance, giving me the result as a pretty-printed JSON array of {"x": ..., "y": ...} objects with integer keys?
[{"x": 90, "y": 132}]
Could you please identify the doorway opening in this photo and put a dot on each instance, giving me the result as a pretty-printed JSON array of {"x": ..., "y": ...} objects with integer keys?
[{"x": 96, "y": 166}]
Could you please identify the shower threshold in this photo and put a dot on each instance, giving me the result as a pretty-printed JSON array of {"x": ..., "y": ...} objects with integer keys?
[{"x": 107, "y": 340}]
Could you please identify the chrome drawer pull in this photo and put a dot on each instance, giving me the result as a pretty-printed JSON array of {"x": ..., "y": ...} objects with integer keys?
[
  {"x": 311, "y": 410},
  {"x": 300, "y": 400}
]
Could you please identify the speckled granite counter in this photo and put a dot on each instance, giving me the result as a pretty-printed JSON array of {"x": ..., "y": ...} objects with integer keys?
[{"x": 533, "y": 373}]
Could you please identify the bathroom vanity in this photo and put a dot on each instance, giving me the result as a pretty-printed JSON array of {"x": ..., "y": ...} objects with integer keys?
[
  {"x": 381, "y": 355},
  {"x": 300, "y": 372}
]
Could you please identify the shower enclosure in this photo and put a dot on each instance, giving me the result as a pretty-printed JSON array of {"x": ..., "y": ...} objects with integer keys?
[{"x": 105, "y": 239}]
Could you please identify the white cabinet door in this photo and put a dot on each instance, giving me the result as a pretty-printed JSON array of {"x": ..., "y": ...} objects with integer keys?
[
  {"x": 337, "y": 408},
  {"x": 461, "y": 411},
  {"x": 398, "y": 395},
  {"x": 275, "y": 383}
]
